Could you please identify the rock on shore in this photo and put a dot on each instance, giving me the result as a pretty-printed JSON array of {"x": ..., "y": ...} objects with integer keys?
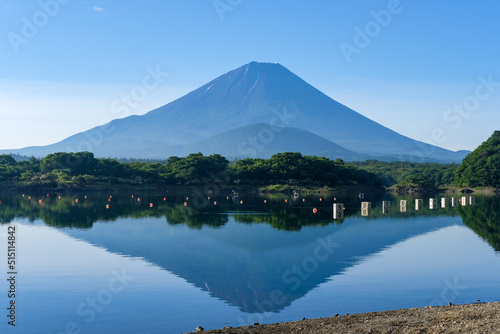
[{"x": 472, "y": 318}]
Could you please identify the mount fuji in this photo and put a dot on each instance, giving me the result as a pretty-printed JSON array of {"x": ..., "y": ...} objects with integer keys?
[{"x": 256, "y": 110}]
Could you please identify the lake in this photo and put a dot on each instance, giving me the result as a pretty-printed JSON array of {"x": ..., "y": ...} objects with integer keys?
[{"x": 167, "y": 263}]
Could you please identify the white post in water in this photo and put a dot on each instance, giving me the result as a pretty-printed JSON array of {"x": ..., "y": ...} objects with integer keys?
[
  {"x": 419, "y": 204},
  {"x": 385, "y": 207},
  {"x": 403, "y": 205},
  {"x": 432, "y": 203},
  {"x": 338, "y": 211},
  {"x": 464, "y": 201},
  {"x": 472, "y": 200},
  {"x": 444, "y": 202},
  {"x": 366, "y": 208},
  {"x": 454, "y": 201}
]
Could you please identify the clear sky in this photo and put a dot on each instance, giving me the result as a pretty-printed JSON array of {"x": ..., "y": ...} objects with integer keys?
[{"x": 426, "y": 69}]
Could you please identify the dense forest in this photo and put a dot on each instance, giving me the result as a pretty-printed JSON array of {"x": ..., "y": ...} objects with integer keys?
[
  {"x": 480, "y": 168},
  {"x": 80, "y": 169}
]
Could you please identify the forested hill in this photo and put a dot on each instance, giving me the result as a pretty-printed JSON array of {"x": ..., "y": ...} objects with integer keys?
[{"x": 481, "y": 167}]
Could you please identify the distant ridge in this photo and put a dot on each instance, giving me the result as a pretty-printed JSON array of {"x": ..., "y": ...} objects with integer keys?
[{"x": 256, "y": 93}]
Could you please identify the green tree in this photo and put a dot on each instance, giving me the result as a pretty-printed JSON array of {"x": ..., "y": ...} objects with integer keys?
[{"x": 481, "y": 168}]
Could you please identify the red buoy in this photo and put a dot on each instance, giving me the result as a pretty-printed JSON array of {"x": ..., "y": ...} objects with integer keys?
[{"x": 315, "y": 210}]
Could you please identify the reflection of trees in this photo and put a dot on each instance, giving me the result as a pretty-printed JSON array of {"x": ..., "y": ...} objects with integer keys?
[
  {"x": 66, "y": 212},
  {"x": 288, "y": 219},
  {"x": 179, "y": 214},
  {"x": 484, "y": 219}
]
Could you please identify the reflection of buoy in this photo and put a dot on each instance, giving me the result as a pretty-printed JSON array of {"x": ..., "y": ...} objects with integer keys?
[
  {"x": 315, "y": 210},
  {"x": 107, "y": 206},
  {"x": 185, "y": 203}
]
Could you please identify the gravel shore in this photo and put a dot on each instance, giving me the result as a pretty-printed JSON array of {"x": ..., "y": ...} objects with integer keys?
[{"x": 472, "y": 318}]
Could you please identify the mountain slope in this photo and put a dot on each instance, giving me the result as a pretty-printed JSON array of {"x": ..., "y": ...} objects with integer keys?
[
  {"x": 262, "y": 141},
  {"x": 254, "y": 93},
  {"x": 481, "y": 168}
]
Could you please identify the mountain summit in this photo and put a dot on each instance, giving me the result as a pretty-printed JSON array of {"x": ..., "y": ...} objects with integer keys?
[{"x": 256, "y": 93}]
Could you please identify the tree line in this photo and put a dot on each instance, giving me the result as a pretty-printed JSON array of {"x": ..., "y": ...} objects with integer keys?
[
  {"x": 480, "y": 168},
  {"x": 83, "y": 168}
]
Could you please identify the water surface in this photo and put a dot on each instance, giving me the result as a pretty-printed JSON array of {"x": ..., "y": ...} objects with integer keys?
[{"x": 152, "y": 263}]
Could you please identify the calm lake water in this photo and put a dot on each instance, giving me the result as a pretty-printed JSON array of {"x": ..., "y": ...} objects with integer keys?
[{"x": 151, "y": 264}]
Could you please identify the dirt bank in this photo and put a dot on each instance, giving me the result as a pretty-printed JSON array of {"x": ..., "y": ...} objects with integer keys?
[{"x": 473, "y": 318}]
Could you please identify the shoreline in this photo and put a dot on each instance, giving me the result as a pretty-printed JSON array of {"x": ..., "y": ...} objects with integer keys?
[{"x": 463, "y": 318}]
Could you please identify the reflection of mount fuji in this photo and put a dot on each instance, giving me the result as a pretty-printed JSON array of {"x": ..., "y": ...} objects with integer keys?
[{"x": 245, "y": 265}]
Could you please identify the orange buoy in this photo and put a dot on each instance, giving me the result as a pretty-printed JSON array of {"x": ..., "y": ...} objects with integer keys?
[
  {"x": 187, "y": 198},
  {"x": 47, "y": 195},
  {"x": 265, "y": 201},
  {"x": 107, "y": 206},
  {"x": 85, "y": 196},
  {"x": 138, "y": 199},
  {"x": 109, "y": 199},
  {"x": 227, "y": 197},
  {"x": 303, "y": 200},
  {"x": 315, "y": 210},
  {"x": 320, "y": 199},
  {"x": 286, "y": 200},
  {"x": 59, "y": 197},
  {"x": 215, "y": 202},
  {"x": 241, "y": 202},
  {"x": 164, "y": 198},
  {"x": 40, "y": 201},
  {"x": 185, "y": 203},
  {"x": 209, "y": 197},
  {"x": 76, "y": 200},
  {"x": 150, "y": 205},
  {"x": 132, "y": 196},
  {"x": 110, "y": 196}
]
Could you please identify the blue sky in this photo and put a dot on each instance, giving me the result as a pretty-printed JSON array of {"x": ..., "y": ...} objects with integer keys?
[{"x": 426, "y": 69}]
